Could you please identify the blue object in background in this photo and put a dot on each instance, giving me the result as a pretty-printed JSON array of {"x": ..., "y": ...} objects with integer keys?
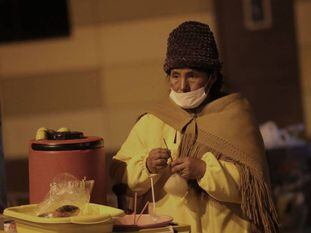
[{"x": 2, "y": 173}]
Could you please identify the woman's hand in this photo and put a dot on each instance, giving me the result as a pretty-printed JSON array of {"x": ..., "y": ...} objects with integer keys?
[
  {"x": 189, "y": 168},
  {"x": 157, "y": 159}
]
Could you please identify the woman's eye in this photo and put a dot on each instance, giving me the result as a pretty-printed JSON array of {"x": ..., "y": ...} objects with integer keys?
[{"x": 192, "y": 75}]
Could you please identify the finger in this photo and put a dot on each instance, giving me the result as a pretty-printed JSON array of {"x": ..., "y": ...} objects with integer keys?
[
  {"x": 184, "y": 175},
  {"x": 160, "y": 167},
  {"x": 160, "y": 162},
  {"x": 158, "y": 150},
  {"x": 177, "y": 168},
  {"x": 154, "y": 150},
  {"x": 164, "y": 155},
  {"x": 177, "y": 162},
  {"x": 161, "y": 149},
  {"x": 155, "y": 154}
]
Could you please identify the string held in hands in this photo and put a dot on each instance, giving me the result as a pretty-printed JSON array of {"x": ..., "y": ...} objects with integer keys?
[
  {"x": 166, "y": 147},
  {"x": 176, "y": 185}
]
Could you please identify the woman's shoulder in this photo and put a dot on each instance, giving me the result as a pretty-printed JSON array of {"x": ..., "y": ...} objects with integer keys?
[
  {"x": 230, "y": 100},
  {"x": 148, "y": 119}
]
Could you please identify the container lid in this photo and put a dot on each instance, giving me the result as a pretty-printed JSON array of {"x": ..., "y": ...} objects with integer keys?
[
  {"x": 93, "y": 214},
  {"x": 84, "y": 143}
]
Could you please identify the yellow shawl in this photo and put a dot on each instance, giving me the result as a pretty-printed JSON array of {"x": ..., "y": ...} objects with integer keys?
[{"x": 226, "y": 127}]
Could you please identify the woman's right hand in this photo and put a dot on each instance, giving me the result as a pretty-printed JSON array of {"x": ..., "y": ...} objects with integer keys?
[{"x": 157, "y": 159}]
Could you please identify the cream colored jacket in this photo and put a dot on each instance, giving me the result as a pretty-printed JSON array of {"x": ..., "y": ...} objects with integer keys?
[{"x": 220, "y": 181}]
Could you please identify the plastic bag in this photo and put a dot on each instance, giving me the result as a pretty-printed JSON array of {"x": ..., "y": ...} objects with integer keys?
[
  {"x": 275, "y": 137},
  {"x": 67, "y": 194}
]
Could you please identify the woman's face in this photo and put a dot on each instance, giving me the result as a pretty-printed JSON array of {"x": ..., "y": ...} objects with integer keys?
[{"x": 185, "y": 80}]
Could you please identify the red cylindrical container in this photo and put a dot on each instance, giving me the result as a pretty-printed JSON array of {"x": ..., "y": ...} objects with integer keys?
[{"x": 82, "y": 157}]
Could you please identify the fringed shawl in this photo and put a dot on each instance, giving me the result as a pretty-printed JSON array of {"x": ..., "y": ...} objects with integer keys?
[{"x": 226, "y": 127}]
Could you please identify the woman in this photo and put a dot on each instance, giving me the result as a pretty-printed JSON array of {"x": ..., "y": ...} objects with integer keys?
[{"x": 203, "y": 146}]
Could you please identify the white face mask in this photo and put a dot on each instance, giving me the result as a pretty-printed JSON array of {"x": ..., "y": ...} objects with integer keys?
[{"x": 189, "y": 100}]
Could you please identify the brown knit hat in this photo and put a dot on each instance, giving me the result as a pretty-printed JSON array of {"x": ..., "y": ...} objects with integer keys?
[{"x": 191, "y": 45}]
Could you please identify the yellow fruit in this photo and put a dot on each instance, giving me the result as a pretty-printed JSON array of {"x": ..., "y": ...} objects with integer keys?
[
  {"x": 63, "y": 129},
  {"x": 41, "y": 133}
]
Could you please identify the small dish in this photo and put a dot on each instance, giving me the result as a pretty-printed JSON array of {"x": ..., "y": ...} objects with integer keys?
[{"x": 126, "y": 223}]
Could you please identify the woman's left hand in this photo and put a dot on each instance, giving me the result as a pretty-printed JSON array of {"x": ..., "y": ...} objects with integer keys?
[{"x": 189, "y": 168}]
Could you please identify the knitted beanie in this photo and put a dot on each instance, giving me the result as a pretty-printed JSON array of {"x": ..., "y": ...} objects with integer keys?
[{"x": 191, "y": 45}]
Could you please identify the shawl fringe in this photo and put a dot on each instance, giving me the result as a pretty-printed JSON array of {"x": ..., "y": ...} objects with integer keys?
[{"x": 256, "y": 201}]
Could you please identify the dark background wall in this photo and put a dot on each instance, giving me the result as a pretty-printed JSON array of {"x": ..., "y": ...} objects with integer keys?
[{"x": 262, "y": 64}]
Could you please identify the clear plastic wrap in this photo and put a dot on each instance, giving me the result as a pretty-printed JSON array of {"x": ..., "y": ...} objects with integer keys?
[{"x": 67, "y": 197}]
